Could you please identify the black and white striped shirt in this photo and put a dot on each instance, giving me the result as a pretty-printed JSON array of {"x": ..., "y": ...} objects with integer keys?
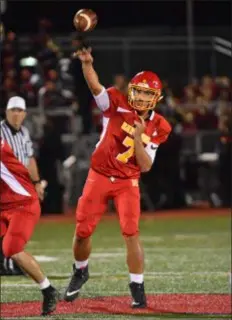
[{"x": 19, "y": 141}]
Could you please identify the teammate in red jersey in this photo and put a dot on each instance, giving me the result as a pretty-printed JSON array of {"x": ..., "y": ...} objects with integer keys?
[
  {"x": 20, "y": 211},
  {"x": 132, "y": 132}
]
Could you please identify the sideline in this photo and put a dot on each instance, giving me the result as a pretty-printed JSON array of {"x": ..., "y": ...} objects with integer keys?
[{"x": 169, "y": 214}]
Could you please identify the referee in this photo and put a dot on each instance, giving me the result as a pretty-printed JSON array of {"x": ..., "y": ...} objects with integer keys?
[{"x": 18, "y": 138}]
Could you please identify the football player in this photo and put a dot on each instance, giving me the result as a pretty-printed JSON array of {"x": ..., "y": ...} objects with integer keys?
[
  {"x": 132, "y": 133},
  {"x": 20, "y": 211}
]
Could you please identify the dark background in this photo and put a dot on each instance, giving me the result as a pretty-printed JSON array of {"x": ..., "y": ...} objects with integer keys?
[
  {"x": 171, "y": 55},
  {"x": 115, "y": 13}
]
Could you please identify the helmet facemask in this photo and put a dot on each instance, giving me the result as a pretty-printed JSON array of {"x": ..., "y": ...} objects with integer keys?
[{"x": 141, "y": 98}]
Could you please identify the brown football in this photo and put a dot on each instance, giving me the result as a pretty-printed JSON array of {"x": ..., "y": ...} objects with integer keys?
[{"x": 85, "y": 20}]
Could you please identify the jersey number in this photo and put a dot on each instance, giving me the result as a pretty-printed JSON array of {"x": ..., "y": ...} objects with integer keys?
[{"x": 125, "y": 156}]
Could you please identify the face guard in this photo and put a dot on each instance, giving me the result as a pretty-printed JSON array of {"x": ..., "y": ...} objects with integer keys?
[
  {"x": 144, "y": 91},
  {"x": 143, "y": 99}
]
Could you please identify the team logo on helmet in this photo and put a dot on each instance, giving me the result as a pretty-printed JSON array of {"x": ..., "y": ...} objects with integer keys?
[{"x": 143, "y": 84}]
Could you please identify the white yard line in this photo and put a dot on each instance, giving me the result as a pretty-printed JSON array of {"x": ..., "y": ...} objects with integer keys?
[
  {"x": 153, "y": 239},
  {"x": 122, "y": 250},
  {"x": 107, "y": 254},
  {"x": 180, "y": 237},
  {"x": 151, "y": 274},
  {"x": 42, "y": 258},
  {"x": 183, "y": 236},
  {"x": 124, "y": 274}
]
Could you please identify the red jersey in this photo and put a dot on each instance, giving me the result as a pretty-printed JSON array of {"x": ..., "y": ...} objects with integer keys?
[
  {"x": 15, "y": 184},
  {"x": 114, "y": 154}
]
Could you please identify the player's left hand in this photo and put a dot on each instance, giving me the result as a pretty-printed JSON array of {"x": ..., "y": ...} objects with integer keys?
[
  {"x": 40, "y": 190},
  {"x": 139, "y": 128}
]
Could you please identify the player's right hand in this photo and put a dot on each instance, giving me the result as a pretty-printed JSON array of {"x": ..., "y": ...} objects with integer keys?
[
  {"x": 39, "y": 187},
  {"x": 84, "y": 55}
]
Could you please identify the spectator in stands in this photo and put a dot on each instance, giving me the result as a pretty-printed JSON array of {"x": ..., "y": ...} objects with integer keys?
[
  {"x": 27, "y": 89},
  {"x": 46, "y": 55},
  {"x": 44, "y": 26},
  {"x": 51, "y": 151},
  {"x": 121, "y": 83},
  {"x": 205, "y": 118},
  {"x": 11, "y": 41},
  {"x": 189, "y": 124},
  {"x": 52, "y": 75},
  {"x": 64, "y": 75},
  {"x": 2, "y": 33},
  {"x": 81, "y": 90},
  {"x": 225, "y": 159},
  {"x": 9, "y": 53},
  {"x": 9, "y": 48},
  {"x": 8, "y": 90},
  {"x": 224, "y": 89},
  {"x": 171, "y": 111},
  {"x": 51, "y": 96},
  {"x": 9, "y": 61},
  {"x": 165, "y": 186},
  {"x": 207, "y": 82},
  {"x": 195, "y": 85},
  {"x": 47, "y": 51},
  {"x": 189, "y": 95}
]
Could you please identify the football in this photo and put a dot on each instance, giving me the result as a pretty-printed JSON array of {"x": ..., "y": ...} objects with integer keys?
[{"x": 85, "y": 20}]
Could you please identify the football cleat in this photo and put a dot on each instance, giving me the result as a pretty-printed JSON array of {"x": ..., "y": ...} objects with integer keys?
[
  {"x": 9, "y": 268},
  {"x": 79, "y": 277},
  {"x": 50, "y": 300},
  {"x": 138, "y": 295}
]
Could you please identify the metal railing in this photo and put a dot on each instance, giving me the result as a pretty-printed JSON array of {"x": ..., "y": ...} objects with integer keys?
[
  {"x": 168, "y": 55},
  {"x": 202, "y": 146},
  {"x": 223, "y": 46}
]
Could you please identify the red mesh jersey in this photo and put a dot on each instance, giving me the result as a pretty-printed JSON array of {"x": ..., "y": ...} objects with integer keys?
[{"x": 114, "y": 154}]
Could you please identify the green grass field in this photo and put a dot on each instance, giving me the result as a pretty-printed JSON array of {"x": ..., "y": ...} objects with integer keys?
[{"x": 183, "y": 255}]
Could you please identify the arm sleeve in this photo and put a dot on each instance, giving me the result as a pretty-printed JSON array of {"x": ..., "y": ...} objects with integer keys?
[
  {"x": 159, "y": 136},
  {"x": 103, "y": 100},
  {"x": 151, "y": 150},
  {"x": 107, "y": 100}
]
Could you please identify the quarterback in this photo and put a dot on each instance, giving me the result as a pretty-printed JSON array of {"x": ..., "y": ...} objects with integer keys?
[{"x": 132, "y": 132}]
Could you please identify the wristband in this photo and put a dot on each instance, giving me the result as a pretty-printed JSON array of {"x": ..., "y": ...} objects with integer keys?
[{"x": 37, "y": 181}]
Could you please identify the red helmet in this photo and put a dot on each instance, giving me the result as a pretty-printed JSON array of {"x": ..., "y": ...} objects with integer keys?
[{"x": 144, "y": 91}]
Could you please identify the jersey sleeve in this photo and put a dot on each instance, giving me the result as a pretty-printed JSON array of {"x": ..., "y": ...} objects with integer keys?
[
  {"x": 160, "y": 135},
  {"x": 107, "y": 100}
]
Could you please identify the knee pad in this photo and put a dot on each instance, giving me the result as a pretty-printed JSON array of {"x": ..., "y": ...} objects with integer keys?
[
  {"x": 84, "y": 230},
  {"x": 129, "y": 230},
  {"x": 130, "y": 234},
  {"x": 12, "y": 244}
]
